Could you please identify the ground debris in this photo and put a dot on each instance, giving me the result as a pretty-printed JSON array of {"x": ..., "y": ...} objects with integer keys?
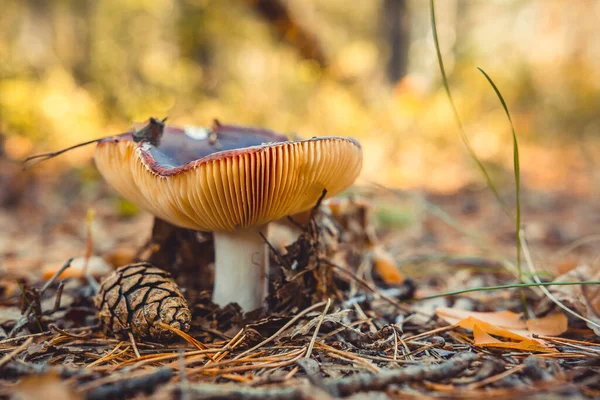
[
  {"x": 335, "y": 327},
  {"x": 128, "y": 386},
  {"x": 367, "y": 382}
]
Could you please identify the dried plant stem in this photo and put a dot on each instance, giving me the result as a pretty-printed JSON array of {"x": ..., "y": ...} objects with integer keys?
[
  {"x": 15, "y": 352},
  {"x": 317, "y": 328},
  {"x": 25, "y": 316},
  {"x": 282, "y": 329},
  {"x": 134, "y": 345},
  {"x": 56, "y": 329}
]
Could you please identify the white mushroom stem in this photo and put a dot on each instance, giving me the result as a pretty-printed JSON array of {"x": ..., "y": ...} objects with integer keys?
[{"x": 241, "y": 268}]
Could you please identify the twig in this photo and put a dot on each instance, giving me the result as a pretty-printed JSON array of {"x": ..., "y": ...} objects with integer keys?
[
  {"x": 134, "y": 345},
  {"x": 69, "y": 334},
  {"x": 395, "y": 344},
  {"x": 58, "y": 297},
  {"x": 367, "y": 382},
  {"x": 317, "y": 328},
  {"x": 350, "y": 357},
  {"x": 128, "y": 386},
  {"x": 25, "y": 316},
  {"x": 15, "y": 352},
  {"x": 24, "y": 337},
  {"x": 236, "y": 392},
  {"x": 37, "y": 158},
  {"x": 496, "y": 378}
]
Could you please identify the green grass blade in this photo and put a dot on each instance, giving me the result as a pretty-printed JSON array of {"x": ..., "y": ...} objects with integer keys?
[
  {"x": 461, "y": 129},
  {"x": 501, "y": 287},
  {"x": 517, "y": 171}
]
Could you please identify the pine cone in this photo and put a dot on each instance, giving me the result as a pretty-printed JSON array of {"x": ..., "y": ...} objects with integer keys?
[{"x": 137, "y": 296}]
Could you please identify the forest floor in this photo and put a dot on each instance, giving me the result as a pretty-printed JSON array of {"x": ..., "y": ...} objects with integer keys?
[{"x": 340, "y": 322}]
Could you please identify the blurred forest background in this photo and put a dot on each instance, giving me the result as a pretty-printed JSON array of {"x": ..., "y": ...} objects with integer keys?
[{"x": 73, "y": 70}]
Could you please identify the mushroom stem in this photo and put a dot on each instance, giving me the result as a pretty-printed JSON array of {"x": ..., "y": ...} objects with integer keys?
[{"x": 241, "y": 268}]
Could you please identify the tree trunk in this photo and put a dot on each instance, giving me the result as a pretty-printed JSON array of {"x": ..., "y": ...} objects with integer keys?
[{"x": 395, "y": 23}]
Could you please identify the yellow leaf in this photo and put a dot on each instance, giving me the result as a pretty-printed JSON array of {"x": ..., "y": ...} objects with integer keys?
[
  {"x": 470, "y": 322},
  {"x": 386, "y": 267},
  {"x": 481, "y": 337},
  {"x": 504, "y": 319},
  {"x": 552, "y": 325}
]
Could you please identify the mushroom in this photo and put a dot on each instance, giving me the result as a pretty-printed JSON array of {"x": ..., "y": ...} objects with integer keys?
[{"x": 231, "y": 181}]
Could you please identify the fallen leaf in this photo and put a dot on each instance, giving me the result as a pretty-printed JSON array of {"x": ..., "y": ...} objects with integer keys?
[
  {"x": 386, "y": 267},
  {"x": 552, "y": 325},
  {"x": 470, "y": 322},
  {"x": 480, "y": 337},
  {"x": 483, "y": 339},
  {"x": 504, "y": 324},
  {"x": 504, "y": 319}
]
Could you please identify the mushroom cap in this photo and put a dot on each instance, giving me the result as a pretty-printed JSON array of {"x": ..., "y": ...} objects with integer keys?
[{"x": 248, "y": 177}]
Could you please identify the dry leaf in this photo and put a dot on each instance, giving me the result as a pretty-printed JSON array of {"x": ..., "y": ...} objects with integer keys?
[
  {"x": 504, "y": 319},
  {"x": 552, "y": 325},
  {"x": 480, "y": 337},
  {"x": 386, "y": 267},
  {"x": 504, "y": 324},
  {"x": 483, "y": 339},
  {"x": 470, "y": 322}
]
